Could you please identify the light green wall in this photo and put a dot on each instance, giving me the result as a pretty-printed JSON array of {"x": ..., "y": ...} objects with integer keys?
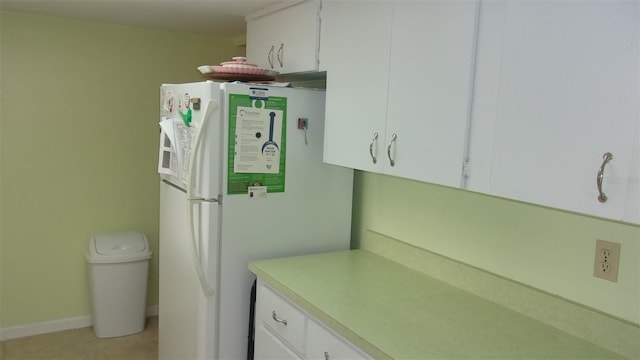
[
  {"x": 78, "y": 140},
  {"x": 544, "y": 248},
  {"x": 79, "y": 135}
]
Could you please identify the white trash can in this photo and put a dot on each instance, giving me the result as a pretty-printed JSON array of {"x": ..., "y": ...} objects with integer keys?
[{"x": 118, "y": 270}]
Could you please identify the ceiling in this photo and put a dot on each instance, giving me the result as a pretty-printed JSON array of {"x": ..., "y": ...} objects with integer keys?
[{"x": 215, "y": 17}]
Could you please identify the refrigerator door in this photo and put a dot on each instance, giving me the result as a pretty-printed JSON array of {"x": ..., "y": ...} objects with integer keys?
[
  {"x": 187, "y": 318},
  {"x": 189, "y": 219}
]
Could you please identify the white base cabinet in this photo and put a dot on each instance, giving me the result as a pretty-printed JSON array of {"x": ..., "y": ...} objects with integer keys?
[{"x": 284, "y": 331}]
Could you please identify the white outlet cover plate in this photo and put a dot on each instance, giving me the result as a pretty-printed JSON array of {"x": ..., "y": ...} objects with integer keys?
[{"x": 607, "y": 260}]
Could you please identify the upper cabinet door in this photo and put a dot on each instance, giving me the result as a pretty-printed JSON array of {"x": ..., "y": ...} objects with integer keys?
[
  {"x": 355, "y": 43},
  {"x": 431, "y": 78},
  {"x": 556, "y": 89},
  {"x": 285, "y": 38},
  {"x": 399, "y": 77}
]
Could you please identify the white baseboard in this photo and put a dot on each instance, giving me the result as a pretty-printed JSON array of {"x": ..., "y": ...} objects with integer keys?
[{"x": 19, "y": 331}]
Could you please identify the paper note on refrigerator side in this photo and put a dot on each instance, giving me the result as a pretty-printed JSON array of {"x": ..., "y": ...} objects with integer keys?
[
  {"x": 175, "y": 147},
  {"x": 167, "y": 159}
]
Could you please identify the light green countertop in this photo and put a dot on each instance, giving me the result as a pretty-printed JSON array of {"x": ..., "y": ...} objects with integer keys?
[{"x": 391, "y": 311}]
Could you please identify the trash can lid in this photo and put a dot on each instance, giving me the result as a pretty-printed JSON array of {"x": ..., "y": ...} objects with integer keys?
[{"x": 125, "y": 246}]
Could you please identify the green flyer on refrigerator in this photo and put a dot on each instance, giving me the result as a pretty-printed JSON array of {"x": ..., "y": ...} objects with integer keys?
[{"x": 257, "y": 143}]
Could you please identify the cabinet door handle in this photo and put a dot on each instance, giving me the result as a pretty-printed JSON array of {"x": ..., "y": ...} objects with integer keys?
[
  {"x": 281, "y": 54},
  {"x": 374, "y": 140},
  {"x": 277, "y": 319},
  {"x": 393, "y": 139},
  {"x": 270, "y": 56},
  {"x": 605, "y": 159}
]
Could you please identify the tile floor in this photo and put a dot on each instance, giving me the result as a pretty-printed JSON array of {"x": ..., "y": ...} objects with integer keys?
[{"x": 82, "y": 344}]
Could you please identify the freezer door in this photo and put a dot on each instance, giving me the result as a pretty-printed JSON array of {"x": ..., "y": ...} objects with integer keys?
[
  {"x": 187, "y": 318},
  {"x": 191, "y": 124}
]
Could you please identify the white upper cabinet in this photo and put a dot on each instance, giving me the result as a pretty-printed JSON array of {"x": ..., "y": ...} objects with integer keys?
[
  {"x": 285, "y": 38},
  {"x": 556, "y": 88},
  {"x": 430, "y": 84},
  {"x": 355, "y": 45},
  {"x": 399, "y": 79}
]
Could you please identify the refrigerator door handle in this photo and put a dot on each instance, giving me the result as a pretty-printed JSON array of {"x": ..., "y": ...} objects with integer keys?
[
  {"x": 195, "y": 253},
  {"x": 208, "y": 291}
]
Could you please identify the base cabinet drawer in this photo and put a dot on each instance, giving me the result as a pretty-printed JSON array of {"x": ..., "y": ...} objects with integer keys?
[
  {"x": 267, "y": 346},
  {"x": 281, "y": 317},
  {"x": 324, "y": 344}
]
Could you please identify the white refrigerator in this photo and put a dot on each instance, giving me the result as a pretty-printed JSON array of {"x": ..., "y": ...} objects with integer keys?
[{"x": 241, "y": 178}]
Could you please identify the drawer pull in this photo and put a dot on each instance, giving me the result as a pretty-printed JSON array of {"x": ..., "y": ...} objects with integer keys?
[{"x": 277, "y": 319}]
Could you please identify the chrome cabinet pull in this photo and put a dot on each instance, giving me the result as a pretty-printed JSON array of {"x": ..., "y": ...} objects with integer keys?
[
  {"x": 281, "y": 54},
  {"x": 270, "y": 56},
  {"x": 393, "y": 139},
  {"x": 605, "y": 159},
  {"x": 373, "y": 157},
  {"x": 277, "y": 319}
]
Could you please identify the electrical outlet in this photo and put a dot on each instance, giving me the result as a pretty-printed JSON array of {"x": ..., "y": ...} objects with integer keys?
[{"x": 607, "y": 260}]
